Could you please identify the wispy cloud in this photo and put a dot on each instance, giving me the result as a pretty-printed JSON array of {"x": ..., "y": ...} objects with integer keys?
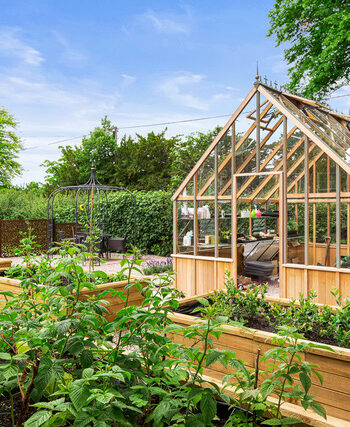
[
  {"x": 166, "y": 24},
  {"x": 127, "y": 79},
  {"x": 69, "y": 53},
  {"x": 11, "y": 44},
  {"x": 180, "y": 89}
]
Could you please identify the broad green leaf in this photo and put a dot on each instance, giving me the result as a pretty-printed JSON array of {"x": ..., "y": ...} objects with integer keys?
[
  {"x": 86, "y": 358},
  {"x": 79, "y": 395},
  {"x": 208, "y": 407},
  {"x": 38, "y": 419},
  {"x": 319, "y": 409},
  {"x": 305, "y": 381},
  {"x": 5, "y": 356},
  {"x": 212, "y": 357},
  {"x": 88, "y": 373},
  {"x": 203, "y": 301}
]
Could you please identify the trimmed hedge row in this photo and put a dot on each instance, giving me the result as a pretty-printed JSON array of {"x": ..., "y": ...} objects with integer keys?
[{"x": 154, "y": 215}]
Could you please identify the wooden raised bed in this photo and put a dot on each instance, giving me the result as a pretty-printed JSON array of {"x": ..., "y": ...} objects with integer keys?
[
  {"x": 5, "y": 263},
  {"x": 116, "y": 303},
  {"x": 333, "y": 394}
]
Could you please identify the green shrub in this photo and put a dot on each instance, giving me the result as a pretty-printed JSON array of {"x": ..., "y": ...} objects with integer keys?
[{"x": 154, "y": 215}]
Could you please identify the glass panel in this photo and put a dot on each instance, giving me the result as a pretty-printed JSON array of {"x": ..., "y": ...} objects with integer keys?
[
  {"x": 206, "y": 229},
  {"x": 205, "y": 173},
  {"x": 295, "y": 246},
  {"x": 185, "y": 237},
  {"x": 225, "y": 229},
  {"x": 257, "y": 226},
  {"x": 305, "y": 119}
]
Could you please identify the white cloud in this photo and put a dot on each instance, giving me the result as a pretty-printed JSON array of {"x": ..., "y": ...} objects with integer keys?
[
  {"x": 175, "y": 89},
  {"x": 181, "y": 87},
  {"x": 127, "y": 80},
  {"x": 166, "y": 25},
  {"x": 12, "y": 45}
]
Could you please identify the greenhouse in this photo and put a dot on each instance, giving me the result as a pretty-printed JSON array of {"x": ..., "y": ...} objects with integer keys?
[{"x": 269, "y": 200}]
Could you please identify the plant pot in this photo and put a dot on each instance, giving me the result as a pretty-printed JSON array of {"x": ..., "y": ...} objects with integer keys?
[
  {"x": 334, "y": 366},
  {"x": 116, "y": 303}
]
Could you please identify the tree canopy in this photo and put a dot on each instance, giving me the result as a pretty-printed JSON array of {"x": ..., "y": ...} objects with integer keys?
[
  {"x": 10, "y": 145},
  {"x": 318, "y": 34},
  {"x": 148, "y": 163}
]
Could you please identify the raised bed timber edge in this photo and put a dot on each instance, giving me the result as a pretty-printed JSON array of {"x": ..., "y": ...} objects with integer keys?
[
  {"x": 333, "y": 393},
  {"x": 116, "y": 303},
  {"x": 4, "y": 264}
]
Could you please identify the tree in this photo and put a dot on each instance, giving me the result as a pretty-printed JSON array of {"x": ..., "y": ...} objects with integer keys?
[
  {"x": 145, "y": 163},
  {"x": 187, "y": 152},
  {"x": 319, "y": 34},
  {"x": 10, "y": 145},
  {"x": 74, "y": 166}
]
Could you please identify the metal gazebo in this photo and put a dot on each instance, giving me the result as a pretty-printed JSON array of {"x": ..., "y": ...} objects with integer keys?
[{"x": 91, "y": 186}]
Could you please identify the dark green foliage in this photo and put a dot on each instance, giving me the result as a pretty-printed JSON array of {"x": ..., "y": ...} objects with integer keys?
[
  {"x": 74, "y": 166},
  {"x": 60, "y": 356},
  {"x": 21, "y": 204},
  {"x": 154, "y": 219},
  {"x": 318, "y": 33},
  {"x": 154, "y": 215},
  {"x": 323, "y": 323},
  {"x": 10, "y": 145}
]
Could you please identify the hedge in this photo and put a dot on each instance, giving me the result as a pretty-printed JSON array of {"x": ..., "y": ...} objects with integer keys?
[{"x": 154, "y": 215}]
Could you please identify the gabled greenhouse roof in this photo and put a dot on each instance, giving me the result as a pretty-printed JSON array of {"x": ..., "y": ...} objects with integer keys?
[{"x": 326, "y": 129}]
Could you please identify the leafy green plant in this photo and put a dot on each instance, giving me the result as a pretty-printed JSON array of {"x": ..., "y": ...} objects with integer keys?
[
  {"x": 239, "y": 304},
  {"x": 263, "y": 391}
]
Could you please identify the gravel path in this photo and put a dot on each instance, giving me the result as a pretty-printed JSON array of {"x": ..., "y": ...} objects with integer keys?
[{"x": 113, "y": 266}]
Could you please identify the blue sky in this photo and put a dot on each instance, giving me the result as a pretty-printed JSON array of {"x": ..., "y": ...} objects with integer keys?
[{"x": 65, "y": 64}]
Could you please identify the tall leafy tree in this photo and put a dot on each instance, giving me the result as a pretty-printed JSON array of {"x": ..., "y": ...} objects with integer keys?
[
  {"x": 318, "y": 35},
  {"x": 145, "y": 163},
  {"x": 74, "y": 166},
  {"x": 187, "y": 152},
  {"x": 10, "y": 145}
]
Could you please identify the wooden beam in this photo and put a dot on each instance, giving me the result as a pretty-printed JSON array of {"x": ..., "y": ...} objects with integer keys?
[
  {"x": 284, "y": 213},
  {"x": 298, "y": 178},
  {"x": 228, "y": 157},
  {"x": 306, "y": 203},
  {"x": 291, "y": 170},
  {"x": 257, "y": 137},
  {"x": 313, "y": 137},
  {"x": 216, "y": 140},
  {"x": 268, "y": 159},
  {"x": 252, "y": 154},
  {"x": 277, "y": 168}
]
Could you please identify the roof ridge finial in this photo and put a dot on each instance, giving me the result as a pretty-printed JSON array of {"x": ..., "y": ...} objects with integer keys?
[{"x": 257, "y": 74}]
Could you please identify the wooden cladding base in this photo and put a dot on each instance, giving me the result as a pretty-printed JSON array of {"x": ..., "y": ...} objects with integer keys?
[
  {"x": 298, "y": 279},
  {"x": 116, "y": 303},
  {"x": 201, "y": 275},
  {"x": 333, "y": 394}
]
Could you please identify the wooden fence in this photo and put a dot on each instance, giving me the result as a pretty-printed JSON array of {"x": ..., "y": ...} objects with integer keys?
[{"x": 13, "y": 230}]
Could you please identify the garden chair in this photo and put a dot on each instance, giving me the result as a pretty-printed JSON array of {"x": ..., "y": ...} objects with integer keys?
[{"x": 117, "y": 244}]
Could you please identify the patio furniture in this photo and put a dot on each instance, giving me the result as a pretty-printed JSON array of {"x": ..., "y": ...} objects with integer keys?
[
  {"x": 65, "y": 239},
  {"x": 117, "y": 244},
  {"x": 258, "y": 269}
]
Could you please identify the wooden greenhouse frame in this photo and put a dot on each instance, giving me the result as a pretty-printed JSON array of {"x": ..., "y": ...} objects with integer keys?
[{"x": 278, "y": 151}]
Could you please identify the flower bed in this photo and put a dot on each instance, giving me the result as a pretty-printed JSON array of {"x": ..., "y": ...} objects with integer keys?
[{"x": 333, "y": 363}]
